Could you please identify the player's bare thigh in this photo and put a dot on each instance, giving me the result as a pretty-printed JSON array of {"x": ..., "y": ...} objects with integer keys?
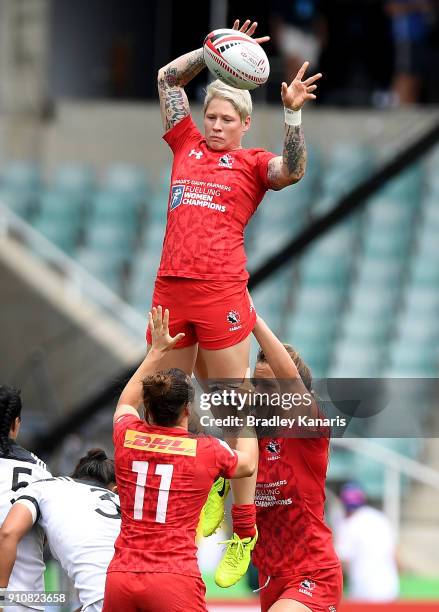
[
  {"x": 183, "y": 358},
  {"x": 288, "y": 605},
  {"x": 231, "y": 362}
]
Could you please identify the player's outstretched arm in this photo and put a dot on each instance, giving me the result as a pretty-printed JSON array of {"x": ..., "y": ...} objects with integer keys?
[
  {"x": 15, "y": 526},
  {"x": 276, "y": 354},
  {"x": 290, "y": 167},
  {"x": 162, "y": 342},
  {"x": 248, "y": 452},
  {"x": 280, "y": 362},
  {"x": 171, "y": 80}
]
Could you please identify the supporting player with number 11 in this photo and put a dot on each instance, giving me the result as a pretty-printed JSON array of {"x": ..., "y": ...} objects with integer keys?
[{"x": 163, "y": 476}]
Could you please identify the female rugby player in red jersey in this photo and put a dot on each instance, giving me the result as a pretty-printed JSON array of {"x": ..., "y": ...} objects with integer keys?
[
  {"x": 216, "y": 186},
  {"x": 297, "y": 564},
  {"x": 164, "y": 476}
]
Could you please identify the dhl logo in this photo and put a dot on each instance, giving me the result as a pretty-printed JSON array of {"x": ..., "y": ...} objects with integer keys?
[{"x": 160, "y": 444}]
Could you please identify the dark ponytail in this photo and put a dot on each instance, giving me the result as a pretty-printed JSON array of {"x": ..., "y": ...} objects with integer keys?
[
  {"x": 95, "y": 466},
  {"x": 10, "y": 409},
  {"x": 165, "y": 394}
]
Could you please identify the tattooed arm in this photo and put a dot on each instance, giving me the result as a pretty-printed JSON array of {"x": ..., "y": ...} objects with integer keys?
[
  {"x": 174, "y": 105},
  {"x": 172, "y": 78},
  {"x": 290, "y": 167}
]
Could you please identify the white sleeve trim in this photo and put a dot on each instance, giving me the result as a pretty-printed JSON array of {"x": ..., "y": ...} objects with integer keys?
[
  {"x": 227, "y": 447},
  {"x": 30, "y": 506}
]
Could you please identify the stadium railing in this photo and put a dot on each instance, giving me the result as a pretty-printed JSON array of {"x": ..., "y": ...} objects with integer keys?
[{"x": 77, "y": 282}]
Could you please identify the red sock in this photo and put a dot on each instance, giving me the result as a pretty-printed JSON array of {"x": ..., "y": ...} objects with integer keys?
[{"x": 244, "y": 520}]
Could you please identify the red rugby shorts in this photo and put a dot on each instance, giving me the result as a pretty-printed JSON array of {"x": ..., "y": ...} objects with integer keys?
[
  {"x": 153, "y": 592},
  {"x": 320, "y": 591},
  {"x": 216, "y": 314}
]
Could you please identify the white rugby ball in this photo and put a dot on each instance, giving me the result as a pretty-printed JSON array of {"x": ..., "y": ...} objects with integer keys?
[{"x": 236, "y": 59}]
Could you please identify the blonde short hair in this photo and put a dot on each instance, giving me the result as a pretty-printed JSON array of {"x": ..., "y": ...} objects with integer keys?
[{"x": 240, "y": 99}]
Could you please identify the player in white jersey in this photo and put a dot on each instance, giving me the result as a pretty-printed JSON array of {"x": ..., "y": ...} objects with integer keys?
[
  {"x": 81, "y": 519},
  {"x": 19, "y": 468}
]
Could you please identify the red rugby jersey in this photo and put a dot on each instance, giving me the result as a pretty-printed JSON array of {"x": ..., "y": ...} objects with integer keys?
[
  {"x": 163, "y": 476},
  {"x": 212, "y": 197},
  {"x": 290, "y": 500}
]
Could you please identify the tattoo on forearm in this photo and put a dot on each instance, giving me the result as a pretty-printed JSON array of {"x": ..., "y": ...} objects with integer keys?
[
  {"x": 294, "y": 153},
  {"x": 182, "y": 70},
  {"x": 172, "y": 78},
  {"x": 176, "y": 106}
]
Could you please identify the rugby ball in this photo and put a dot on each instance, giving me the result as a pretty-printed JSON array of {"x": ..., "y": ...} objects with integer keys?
[{"x": 236, "y": 59}]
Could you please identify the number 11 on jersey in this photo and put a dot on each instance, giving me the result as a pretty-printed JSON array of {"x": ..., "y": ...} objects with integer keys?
[{"x": 165, "y": 471}]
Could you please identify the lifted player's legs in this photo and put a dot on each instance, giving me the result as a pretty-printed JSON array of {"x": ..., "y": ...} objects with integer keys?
[
  {"x": 218, "y": 365},
  {"x": 183, "y": 358}
]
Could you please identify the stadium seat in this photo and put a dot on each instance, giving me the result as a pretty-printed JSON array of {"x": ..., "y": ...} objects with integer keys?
[
  {"x": 386, "y": 245},
  {"x": 373, "y": 304},
  {"x": 152, "y": 237},
  {"x": 347, "y": 352},
  {"x": 21, "y": 176},
  {"x": 358, "y": 328},
  {"x": 270, "y": 300},
  {"x": 127, "y": 180},
  {"x": 431, "y": 213},
  {"x": 141, "y": 282},
  {"x": 114, "y": 242},
  {"x": 140, "y": 290},
  {"x": 77, "y": 180},
  {"x": 324, "y": 301},
  {"x": 117, "y": 209},
  {"x": 385, "y": 215},
  {"x": 427, "y": 244},
  {"x": 59, "y": 232},
  {"x": 377, "y": 274},
  {"x": 346, "y": 166},
  {"x": 102, "y": 267},
  {"x": 61, "y": 207},
  {"x": 339, "y": 241},
  {"x": 158, "y": 204},
  {"x": 331, "y": 271},
  {"x": 423, "y": 358},
  {"x": 317, "y": 358},
  {"x": 406, "y": 187},
  {"x": 420, "y": 331},
  {"x": 268, "y": 242},
  {"x": 311, "y": 333},
  {"x": 23, "y": 204},
  {"x": 422, "y": 302},
  {"x": 357, "y": 360}
]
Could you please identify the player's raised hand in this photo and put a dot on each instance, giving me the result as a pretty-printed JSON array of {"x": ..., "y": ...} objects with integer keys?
[
  {"x": 249, "y": 28},
  {"x": 158, "y": 323},
  {"x": 299, "y": 91}
]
